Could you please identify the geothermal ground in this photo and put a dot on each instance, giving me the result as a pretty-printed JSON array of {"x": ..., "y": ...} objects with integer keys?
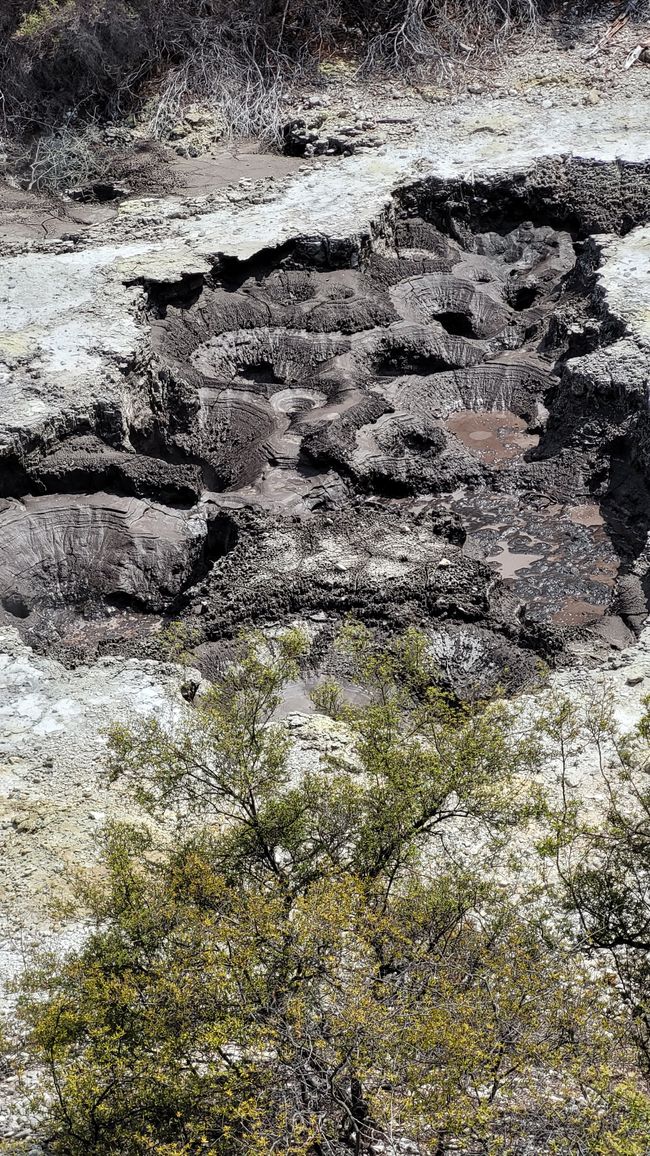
[
  {"x": 439, "y": 419},
  {"x": 409, "y": 385}
]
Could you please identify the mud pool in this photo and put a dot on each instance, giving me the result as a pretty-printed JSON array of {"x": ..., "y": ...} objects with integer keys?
[
  {"x": 559, "y": 558},
  {"x": 423, "y": 428}
]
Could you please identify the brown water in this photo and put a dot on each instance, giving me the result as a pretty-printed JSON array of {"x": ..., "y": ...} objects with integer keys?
[
  {"x": 558, "y": 557},
  {"x": 496, "y": 437}
]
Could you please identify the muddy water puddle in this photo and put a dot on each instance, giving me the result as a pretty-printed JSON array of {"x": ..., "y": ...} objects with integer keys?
[
  {"x": 559, "y": 558},
  {"x": 495, "y": 436}
]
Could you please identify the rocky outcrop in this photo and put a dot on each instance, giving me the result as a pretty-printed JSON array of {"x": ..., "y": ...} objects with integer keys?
[
  {"x": 83, "y": 464},
  {"x": 375, "y": 562}
]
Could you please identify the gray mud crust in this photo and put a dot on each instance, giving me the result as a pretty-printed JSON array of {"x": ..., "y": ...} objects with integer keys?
[{"x": 440, "y": 423}]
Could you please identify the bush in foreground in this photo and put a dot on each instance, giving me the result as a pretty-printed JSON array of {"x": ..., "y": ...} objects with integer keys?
[
  {"x": 326, "y": 962},
  {"x": 603, "y": 859}
]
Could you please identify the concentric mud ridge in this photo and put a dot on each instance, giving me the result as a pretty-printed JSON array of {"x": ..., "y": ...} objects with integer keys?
[{"x": 428, "y": 428}]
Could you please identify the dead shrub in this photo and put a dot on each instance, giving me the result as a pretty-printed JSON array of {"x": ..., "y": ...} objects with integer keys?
[
  {"x": 78, "y": 158},
  {"x": 66, "y": 62}
]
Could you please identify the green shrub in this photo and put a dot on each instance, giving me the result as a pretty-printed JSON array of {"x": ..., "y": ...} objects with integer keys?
[
  {"x": 40, "y": 21},
  {"x": 327, "y": 964}
]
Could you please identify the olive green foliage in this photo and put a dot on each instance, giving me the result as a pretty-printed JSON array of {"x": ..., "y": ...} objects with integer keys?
[
  {"x": 603, "y": 853},
  {"x": 426, "y": 761},
  {"x": 326, "y": 961},
  {"x": 176, "y": 640}
]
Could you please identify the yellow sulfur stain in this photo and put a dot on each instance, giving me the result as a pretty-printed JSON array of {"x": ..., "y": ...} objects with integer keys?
[{"x": 17, "y": 344}]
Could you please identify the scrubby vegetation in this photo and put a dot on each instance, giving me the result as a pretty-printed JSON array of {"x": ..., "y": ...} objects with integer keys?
[
  {"x": 603, "y": 861},
  {"x": 345, "y": 957},
  {"x": 64, "y": 61}
]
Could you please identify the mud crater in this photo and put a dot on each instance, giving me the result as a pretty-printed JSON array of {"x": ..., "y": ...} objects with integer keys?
[{"x": 391, "y": 430}]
